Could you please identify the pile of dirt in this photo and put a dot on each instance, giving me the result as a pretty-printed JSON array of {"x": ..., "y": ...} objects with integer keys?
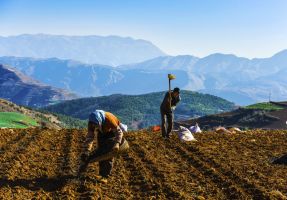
[{"x": 43, "y": 163}]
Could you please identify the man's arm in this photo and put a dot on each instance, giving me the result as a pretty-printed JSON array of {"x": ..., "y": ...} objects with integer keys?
[
  {"x": 177, "y": 99},
  {"x": 175, "y": 102},
  {"x": 119, "y": 135},
  {"x": 166, "y": 101},
  {"x": 88, "y": 144}
]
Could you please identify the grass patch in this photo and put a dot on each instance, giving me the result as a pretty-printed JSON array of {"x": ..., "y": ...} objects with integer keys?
[
  {"x": 264, "y": 106},
  {"x": 16, "y": 120}
]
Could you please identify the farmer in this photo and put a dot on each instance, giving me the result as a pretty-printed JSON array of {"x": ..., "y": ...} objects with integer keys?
[
  {"x": 106, "y": 127},
  {"x": 166, "y": 108}
]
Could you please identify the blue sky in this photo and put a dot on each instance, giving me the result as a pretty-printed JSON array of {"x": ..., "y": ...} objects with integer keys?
[{"x": 249, "y": 28}]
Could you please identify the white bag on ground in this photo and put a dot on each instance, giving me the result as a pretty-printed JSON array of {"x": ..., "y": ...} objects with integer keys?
[
  {"x": 235, "y": 130},
  {"x": 124, "y": 127},
  {"x": 221, "y": 129},
  {"x": 195, "y": 129},
  {"x": 185, "y": 135}
]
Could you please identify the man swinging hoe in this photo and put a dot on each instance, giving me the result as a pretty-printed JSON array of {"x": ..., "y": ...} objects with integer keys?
[{"x": 167, "y": 107}]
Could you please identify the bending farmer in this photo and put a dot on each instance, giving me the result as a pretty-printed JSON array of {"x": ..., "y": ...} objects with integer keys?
[
  {"x": 166, "y": 108},
  {"x": 106, "y": 127}
]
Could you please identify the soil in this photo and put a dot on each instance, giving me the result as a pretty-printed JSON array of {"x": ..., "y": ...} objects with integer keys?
[{"x": 42, "y": 164}]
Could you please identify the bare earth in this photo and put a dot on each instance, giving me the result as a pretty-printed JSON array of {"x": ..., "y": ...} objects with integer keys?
[{"x": 42, "y": 164}]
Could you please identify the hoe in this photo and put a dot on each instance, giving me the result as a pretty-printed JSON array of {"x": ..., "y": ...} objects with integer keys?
[{"x": 170, "y": 77}]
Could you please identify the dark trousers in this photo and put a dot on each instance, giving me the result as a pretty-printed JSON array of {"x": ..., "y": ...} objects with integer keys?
[
  {"x": 105, "y": 144},
  {"x": 166, "y": 118}
]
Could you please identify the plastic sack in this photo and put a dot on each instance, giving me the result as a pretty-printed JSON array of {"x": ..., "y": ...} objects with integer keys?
[
  {"x": 124, "y": 127},
  {"x": 236, "y": 130},
  {"x": 221, "y": 129},
  {"x": 195, "y": 129},
  {"x": 185, "y": 135}
]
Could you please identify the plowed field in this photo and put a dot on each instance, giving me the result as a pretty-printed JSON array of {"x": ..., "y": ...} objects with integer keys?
[{"x": 42, "y": 164}]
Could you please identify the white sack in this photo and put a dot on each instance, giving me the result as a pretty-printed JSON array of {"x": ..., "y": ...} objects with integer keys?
[
  {"x": 185, "y": 135},
  {"x": 195, "y": 129}
]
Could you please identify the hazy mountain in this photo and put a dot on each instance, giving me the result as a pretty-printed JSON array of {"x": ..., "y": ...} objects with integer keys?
[
  {"x": 110, "y": 50},
  {"x": 240, "y": 80},
  {"x": 183, "y": 62},
  {"x": 139, "y": 111},
  {"x": 94, "y": 80},
  {"x": 21, "y": 89}
]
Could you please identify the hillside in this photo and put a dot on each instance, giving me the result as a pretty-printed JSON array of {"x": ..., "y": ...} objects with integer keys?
[
  {"x": 23, "y": 90},
  {"x": 16, "y": 120},
  {"x": 15, "y": 116},
  {"x": 42, "y": 164},
  {"x": 266, "y": 115},
  {"x": 110, "y": 50},
  {"x": 140, "y": 111}
]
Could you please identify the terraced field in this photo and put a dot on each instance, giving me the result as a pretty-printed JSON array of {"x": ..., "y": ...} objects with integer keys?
[{"x": 43, "y": 163}]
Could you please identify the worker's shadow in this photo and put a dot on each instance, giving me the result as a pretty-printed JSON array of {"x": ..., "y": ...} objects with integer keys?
[
  {"x": 280, "y": 160},
  {"x": 40, "y": 183}
]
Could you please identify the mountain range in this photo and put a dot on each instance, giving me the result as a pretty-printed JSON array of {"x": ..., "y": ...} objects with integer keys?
[
  {"x": 237, "y": 79},
  {"x": 94, "y": 80},
  {"x": 109, "y": 50},
  {"x": 22, "y": 90},
  {"x": 240, "y": 80}
]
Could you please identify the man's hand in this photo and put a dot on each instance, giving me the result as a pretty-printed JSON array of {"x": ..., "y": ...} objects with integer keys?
[{"x": 116, "y": 147}]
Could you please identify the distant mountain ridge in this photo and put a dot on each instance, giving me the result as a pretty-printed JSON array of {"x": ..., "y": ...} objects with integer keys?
[
  {"x": 94, "y": 80},
  {"x": 22, "y": 90},
  {"x": 236, "y": 79},
  {"x": 139, "y": 111},
  {"x": 181, "y": 62},
  {"x": 240, "y": 80},
  {"x": 107, "y": 50}
]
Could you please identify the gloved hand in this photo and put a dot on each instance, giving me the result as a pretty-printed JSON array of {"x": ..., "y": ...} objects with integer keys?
[
  {"x": 84, "y": 157},
  {"x": 173, "y": 107},
  {"x": 116, "y": 147}
]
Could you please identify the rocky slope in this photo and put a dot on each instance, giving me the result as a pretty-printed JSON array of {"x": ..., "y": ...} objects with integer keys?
[{"x": 22, "y": 90}]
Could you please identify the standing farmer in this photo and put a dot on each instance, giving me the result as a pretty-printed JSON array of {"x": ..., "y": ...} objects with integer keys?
[
  {"x": 106, "y": 127},
  {"x": 166, "y": 108}
]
